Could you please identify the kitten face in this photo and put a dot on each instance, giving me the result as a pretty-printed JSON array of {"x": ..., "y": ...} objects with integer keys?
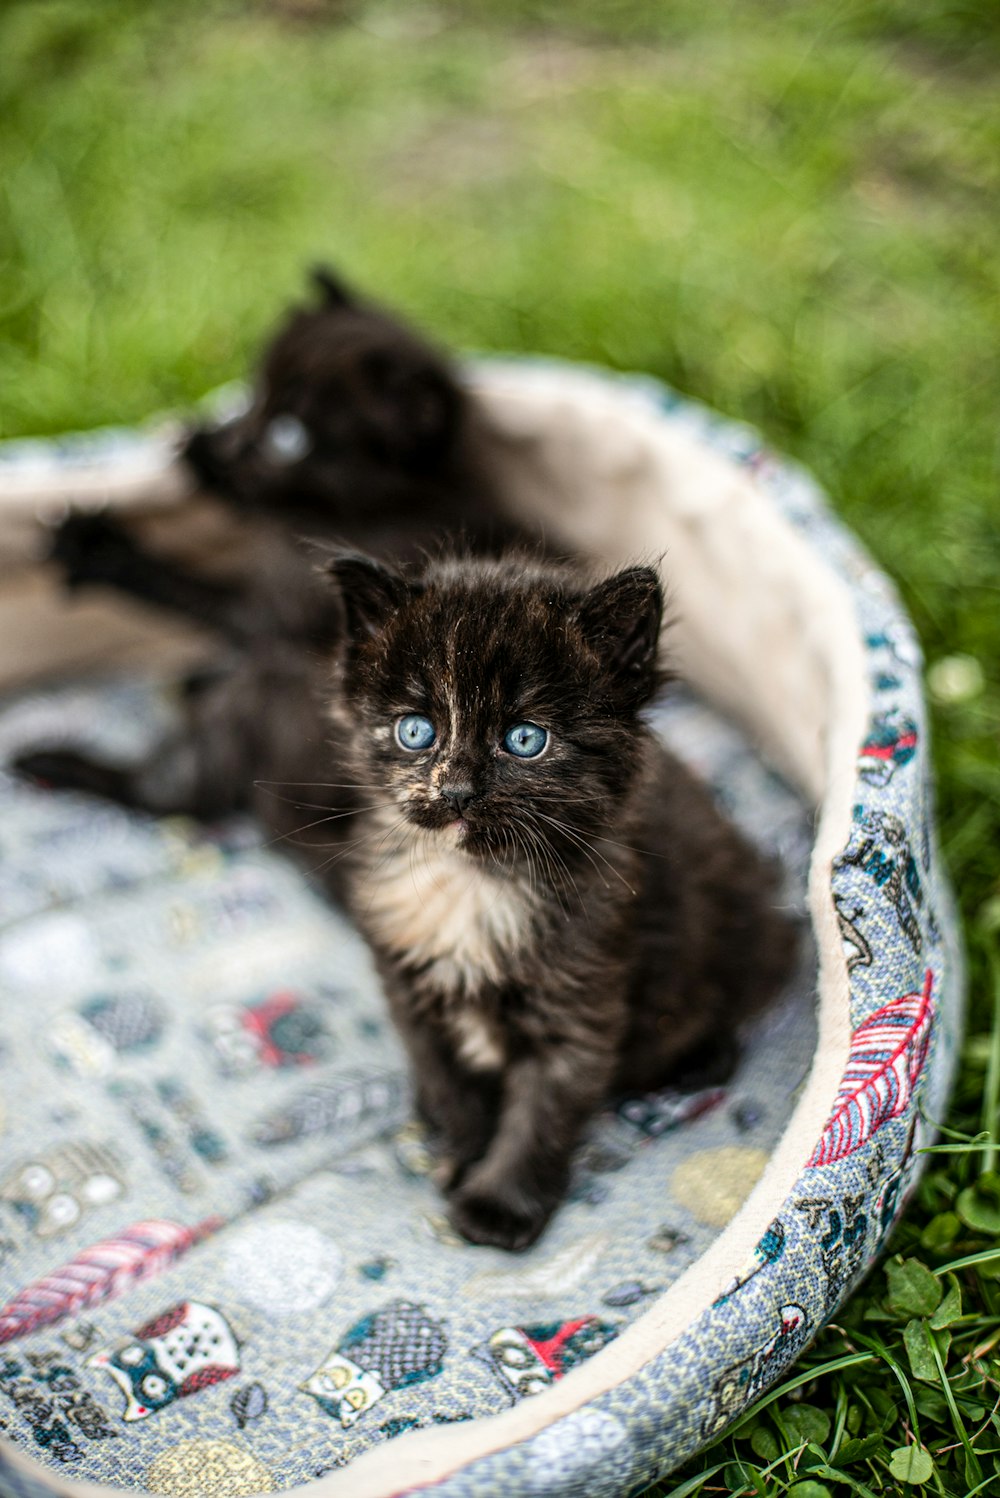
[
  {"x": 497, "y": 702},
  {"x": 341, "y": 386}
]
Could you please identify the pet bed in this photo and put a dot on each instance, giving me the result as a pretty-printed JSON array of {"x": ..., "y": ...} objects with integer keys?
[{"x": 223, "y": 1267}]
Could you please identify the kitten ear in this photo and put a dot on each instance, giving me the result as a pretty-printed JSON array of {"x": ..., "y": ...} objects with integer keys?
[
  {"x": 620, "y": 619},
  {"x": 369, "y": 592},
  {"x": 330, "y": 287}
]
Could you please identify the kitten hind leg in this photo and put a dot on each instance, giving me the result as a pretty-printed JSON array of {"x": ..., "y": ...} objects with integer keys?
[
  {"x": 66, "y": 770},
  {"x": 175, "y": 781},
  {"x": 200, "y": 769}
]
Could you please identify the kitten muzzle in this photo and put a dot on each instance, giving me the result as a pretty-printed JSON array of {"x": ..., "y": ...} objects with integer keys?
[{"x": 458, "y": 798}]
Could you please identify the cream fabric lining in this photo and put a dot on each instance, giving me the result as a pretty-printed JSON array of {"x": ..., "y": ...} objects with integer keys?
[{"x": 759, "y": 623}]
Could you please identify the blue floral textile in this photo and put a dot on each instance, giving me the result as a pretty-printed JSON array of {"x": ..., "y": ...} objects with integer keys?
[{"x": 223, "y": 1267}]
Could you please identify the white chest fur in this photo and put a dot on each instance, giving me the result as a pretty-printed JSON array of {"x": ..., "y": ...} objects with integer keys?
[{"x": 433, "y": 904}]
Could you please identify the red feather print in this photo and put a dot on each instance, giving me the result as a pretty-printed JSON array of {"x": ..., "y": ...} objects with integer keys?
[
  {"x": 888, "y": 1051},
  {"x": 99, "y": 1273}
]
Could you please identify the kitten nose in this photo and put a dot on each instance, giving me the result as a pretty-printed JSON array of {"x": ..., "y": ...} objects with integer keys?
[{"x": 458, "y": 797}]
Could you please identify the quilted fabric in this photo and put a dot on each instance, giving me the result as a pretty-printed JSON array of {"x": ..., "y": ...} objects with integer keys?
[{"x": 223, "y": 1268}]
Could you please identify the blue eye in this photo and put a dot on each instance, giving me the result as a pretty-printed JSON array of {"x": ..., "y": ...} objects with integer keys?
[
  {"x": 286, "y": 439},
  {"x": 415, "y": 732},
  {"x": 526, "y": 740}
]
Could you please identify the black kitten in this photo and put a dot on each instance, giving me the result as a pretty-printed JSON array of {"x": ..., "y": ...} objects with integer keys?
[
  {"x": 357, "y": 423},
  {"x": 558, "y": 911},
  {"x": 359, "y": 431}
]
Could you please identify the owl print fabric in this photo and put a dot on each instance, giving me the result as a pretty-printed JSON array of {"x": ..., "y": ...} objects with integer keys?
[{"x": 224, "y": 1266}]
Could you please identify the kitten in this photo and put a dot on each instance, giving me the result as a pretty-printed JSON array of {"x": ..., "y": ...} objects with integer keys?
[
  {"x": 557, "y": 910},
  {"x": 356, "y": 421},
  {"x": 359, "y": 431}
]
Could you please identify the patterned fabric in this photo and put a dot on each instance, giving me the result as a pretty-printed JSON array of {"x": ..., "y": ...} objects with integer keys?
[{"x": 223, "y": 1266}]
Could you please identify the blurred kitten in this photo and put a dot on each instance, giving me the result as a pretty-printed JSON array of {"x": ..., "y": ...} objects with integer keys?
[
  {"x": 358, "y": 428},
  {"x": 358, "y": 431}
]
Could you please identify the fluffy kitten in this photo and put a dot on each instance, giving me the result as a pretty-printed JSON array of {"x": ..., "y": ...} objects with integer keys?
[
  {"x": 557, "y": 909},
  {"x": 359, "y": 431}
]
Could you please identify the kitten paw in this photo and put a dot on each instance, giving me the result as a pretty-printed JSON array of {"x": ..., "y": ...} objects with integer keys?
[
  {"x": 91, "y": 548},
  {"x": 495, "y": 1219}
]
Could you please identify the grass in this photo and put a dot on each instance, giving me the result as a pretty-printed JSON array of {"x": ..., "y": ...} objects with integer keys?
[{"x": 786, "y": 209}]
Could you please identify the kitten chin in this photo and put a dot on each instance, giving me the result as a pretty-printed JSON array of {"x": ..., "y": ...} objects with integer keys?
[{"x": 557, "y": 909}]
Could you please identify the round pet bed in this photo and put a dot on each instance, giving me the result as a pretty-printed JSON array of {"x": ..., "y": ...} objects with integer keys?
[{"x": 223, "y": 1267}]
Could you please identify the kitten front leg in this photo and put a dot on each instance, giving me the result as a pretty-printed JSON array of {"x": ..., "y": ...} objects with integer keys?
[
  {"x": 507, "y": 1198},
  {"x": 460, "y": 1106},
  {"x": 95, "y": 550},
  {"x": 465, "y": 1120}
]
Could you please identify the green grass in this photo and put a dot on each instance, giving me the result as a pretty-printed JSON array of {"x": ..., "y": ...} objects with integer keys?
[{"x": 787, "y": 209}]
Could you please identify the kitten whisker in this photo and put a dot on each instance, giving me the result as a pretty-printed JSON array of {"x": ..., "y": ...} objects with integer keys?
[
  {"x": 511, "y": 845},
  {"x": 352, "y": 844},
  {"x": 579, "y": 843},
  {"x": 503, "y": 870},
  {"x": 555, "y": 860},
  {"x": 600, "y": 838},
  {"x": 510, "y": 852},
  {"x": 518, "y": 845},
  {"x": 579, "y": 838},
  {"x": 562, "y": 864},
  {"x": 324, "y": 785},
  {"x": 333, "y": 816},
  {"x": 537, "y": 843},
  {"x": 315, "y": 805},
  {"x": 382, "y": 857},
  {"x": 629, "y": 847},
  {"x": 318, "y": 785}
]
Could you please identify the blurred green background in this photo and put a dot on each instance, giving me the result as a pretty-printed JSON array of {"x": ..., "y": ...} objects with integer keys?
[{"x": 788, "y": 209}]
